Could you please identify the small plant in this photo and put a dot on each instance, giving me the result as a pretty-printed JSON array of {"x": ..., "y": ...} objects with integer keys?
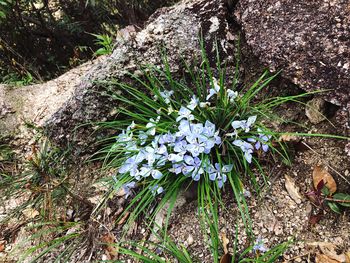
[
  {"x": 198, "y": 130},
  {"x": 105, "y": 44},
  {"x": 166, "y": 250},
  {"x": 43, "y": 183},
  {"x": 322, "y": 196}
]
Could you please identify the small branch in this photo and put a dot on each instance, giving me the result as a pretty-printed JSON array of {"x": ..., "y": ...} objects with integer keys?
[{"x": 337, "y": 200}]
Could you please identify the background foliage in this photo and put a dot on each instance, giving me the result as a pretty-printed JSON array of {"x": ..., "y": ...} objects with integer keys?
[{"x": 40, "y": 39}]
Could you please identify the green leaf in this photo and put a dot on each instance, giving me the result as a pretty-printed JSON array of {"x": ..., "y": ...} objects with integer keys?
[
  {"x": 325, "y": 191},
  {"x": 343, "y": 197},
  {"x": 334, "y": 207}
]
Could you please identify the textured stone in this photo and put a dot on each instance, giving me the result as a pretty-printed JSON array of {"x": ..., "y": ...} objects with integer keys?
[
  {"x": 177, "y": 29},
  {"x": 308, "y": 40}
]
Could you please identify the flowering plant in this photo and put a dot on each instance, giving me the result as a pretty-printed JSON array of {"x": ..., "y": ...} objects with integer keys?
[
  {"x": 196, "y": 130},
  {"x": 188, "y": 147}
]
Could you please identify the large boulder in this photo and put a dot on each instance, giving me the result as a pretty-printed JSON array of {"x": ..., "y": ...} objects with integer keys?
[
  {"x": 308, "y": 40},
  {"x": 176, "y": 29}
]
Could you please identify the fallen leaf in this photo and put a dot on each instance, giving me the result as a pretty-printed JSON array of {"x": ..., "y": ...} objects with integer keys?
[
  {"x": 123, "y": 219},
  {"x": 227, "y": 258},
  {"x": 347, "y": 257},
  {"x": 2, "y": 246},
  {"x": 320, "y": 173},
  {"x": 314, "y": 219},
  {"x": 329, "y": 250},
  {"x": 225, "y": 242},
  {"x": 109, "y": 240},
  {"x": 292, "y": 189},
  {"x": 30, "y": 213},
  {"x": 320, "y": 258}
]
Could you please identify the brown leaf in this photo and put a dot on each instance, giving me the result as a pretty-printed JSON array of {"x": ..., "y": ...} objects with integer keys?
[
  {"x": 226, "y": 258},
  {"x": 30, "y": 213},
  {"x": 225, "y": 242},
  {"x": 319, "y": 174},
  {"x": 123, "y": 219},
  {"x": 2, "y": 246},
  {"x": 320, "y": 258},
  {"x": 314, "y": 219},
  {"x": 292, "y": 189},
  {"x": 347, "y": 257},
  {"x": 109, "y": 240},
  {"x": 329, "y": 250}
]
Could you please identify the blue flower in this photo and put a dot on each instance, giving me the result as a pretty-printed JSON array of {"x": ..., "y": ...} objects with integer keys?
[
  {"x": 246, "y": 147},
  {"x": 142, "y": 137},
  {"x": 127, "y": 188},
  {"x": 183, "y": 129},
  {"x": 146, "y": 171},
  {"x": 177, "y": 168},
  {"x": 167, "y": 138},
  {"x": 244, "y": 124},
  {"x": 131, "y": 165},
  {"x": 193, "y": 166},
  {"x": 261, "y": 142},
  {"x": 184, "y": 113},
  {"x": 166, "y": 94},
  {"x": 196, "y": 148},
  {"x": 175, "y": 158},
  {"x": 218, "y": 173},
  {"x": 156, "y": 189},
  {"x": 259, "y": 246},
  {"x": 180, "y": 147}
]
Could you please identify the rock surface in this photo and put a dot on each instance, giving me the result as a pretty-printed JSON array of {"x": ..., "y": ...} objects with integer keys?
[
  {"x": 308, "y": 40},
  {"x": 177, "y": 29},
  {"x": 36, "y": 103}
]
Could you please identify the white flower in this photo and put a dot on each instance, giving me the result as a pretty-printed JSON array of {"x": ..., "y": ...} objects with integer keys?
[
  {"x": 214, "y": 90},
  {"x": 232, "y": 95},
  {"x": 166, "y": 94},
  {"x": 204, "y": 104},
  {"x": 193, "y": 103},
  {"x": 184, "y": 113}
]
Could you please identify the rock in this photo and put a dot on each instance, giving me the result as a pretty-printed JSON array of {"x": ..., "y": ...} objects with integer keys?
[
  {"x": 315, "y": 110},
  {"x": 308, "y": 40},
  {"x": 177, "y": 29}
]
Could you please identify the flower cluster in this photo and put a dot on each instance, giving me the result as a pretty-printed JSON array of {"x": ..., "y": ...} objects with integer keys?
[{"x": 186, "y": 150}]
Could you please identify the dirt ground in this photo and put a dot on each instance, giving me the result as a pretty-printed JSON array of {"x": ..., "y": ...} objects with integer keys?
[{"x": 276, "y": 215}]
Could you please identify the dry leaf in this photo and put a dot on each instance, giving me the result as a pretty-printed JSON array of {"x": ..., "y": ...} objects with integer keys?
[
  {"x": 347, "y": 257},
  {"x": 314, "y": 219},
  {"x": 30, "y": 213},
  {"x": 292, "y": 189},
  {"x": 225, "y": 242},
  {"x": 2, "y": 246},
  {"x": 319, "y": 174},
  {"x": 227, "y": 258},
  {"x": 329, "y": 250},
  {"x": 123, "y": 219},
  {"x": 112, "y": 251},
  {"x": 320, "y": 258}
]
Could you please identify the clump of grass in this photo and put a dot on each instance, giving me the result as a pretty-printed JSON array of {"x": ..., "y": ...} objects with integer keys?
[
  {"x": 164, "y": 249},
  {"x": 223, "y": 133},
  {"x": 42, "y": 184}
]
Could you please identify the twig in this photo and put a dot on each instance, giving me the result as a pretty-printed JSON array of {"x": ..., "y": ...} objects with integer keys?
[{"x": 337, "y": 200}]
